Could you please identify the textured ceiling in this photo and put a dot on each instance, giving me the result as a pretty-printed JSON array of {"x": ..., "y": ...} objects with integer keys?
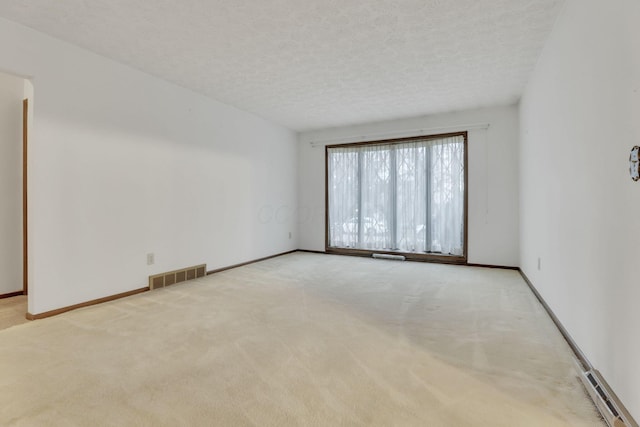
[{"x": 310, "y": 64}]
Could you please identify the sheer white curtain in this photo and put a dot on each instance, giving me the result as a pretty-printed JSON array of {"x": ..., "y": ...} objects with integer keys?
[
  {"x": 344, "y": 197},
  {"x": 406, "y": 197}
]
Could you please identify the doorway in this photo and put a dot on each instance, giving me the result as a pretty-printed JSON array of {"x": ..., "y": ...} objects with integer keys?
[
  {"x": 16, "y": 105},
  {"x": 25, "y": 244}
]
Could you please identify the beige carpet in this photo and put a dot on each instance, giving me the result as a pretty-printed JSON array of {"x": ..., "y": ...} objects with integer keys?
[
  {"x": 13, "y": 311},
  {"x": 301, "y": 340}
]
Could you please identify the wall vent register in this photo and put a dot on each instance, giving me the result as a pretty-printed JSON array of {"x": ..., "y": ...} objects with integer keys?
[{"x": 176, "y": 276}]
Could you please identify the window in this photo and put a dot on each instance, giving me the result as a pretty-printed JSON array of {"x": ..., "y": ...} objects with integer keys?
[{"x": 406, "y": 196}]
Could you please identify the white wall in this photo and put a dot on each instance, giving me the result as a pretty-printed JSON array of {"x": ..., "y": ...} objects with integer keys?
[
  {"x": 493, "y": 179},
  {"x": 122, "y": 164},
  {"x": 580, "y": 211},
  {"x": 11, "y": 96}
]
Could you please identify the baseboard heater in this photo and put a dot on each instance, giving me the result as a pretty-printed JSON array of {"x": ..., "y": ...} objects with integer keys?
[
  {"x": 176, "y": 276},
  {"x": 389, "y": 256},
  {"x": 605, "y": 400}
]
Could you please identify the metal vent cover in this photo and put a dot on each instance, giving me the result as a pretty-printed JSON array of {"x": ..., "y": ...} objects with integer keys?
[
  {"x": 607, "y": 403},
  {"x": 176, "y": 276}
]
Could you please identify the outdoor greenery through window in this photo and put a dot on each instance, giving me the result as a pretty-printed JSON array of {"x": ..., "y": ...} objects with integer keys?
[{"x": 403, "y": 196}]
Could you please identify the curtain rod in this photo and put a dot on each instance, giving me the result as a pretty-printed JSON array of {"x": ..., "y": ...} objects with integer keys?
[{"x": 402, "y": 134}]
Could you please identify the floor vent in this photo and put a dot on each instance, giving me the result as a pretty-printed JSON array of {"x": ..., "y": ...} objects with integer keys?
[
  {"x": 604, "y": 399},
  {"x": 389, "y": 256},
  {"x": 172, "y": 277}
]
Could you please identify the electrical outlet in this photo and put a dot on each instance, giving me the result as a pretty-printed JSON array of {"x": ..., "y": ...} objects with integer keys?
[
  {"x": 151, "y": 259},
  {"x": 538, "y": 263},
  {"x": 289, "y": 234}
]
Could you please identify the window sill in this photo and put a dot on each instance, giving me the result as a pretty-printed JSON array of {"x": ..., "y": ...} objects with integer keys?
[{"x": 410, "y": 256}]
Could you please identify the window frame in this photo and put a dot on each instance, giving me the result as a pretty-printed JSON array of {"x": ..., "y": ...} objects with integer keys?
[{"x": 427, "y": 257}]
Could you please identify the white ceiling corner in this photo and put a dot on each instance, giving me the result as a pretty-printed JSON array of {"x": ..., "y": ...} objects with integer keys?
[{"x": 312, "y": 64}]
